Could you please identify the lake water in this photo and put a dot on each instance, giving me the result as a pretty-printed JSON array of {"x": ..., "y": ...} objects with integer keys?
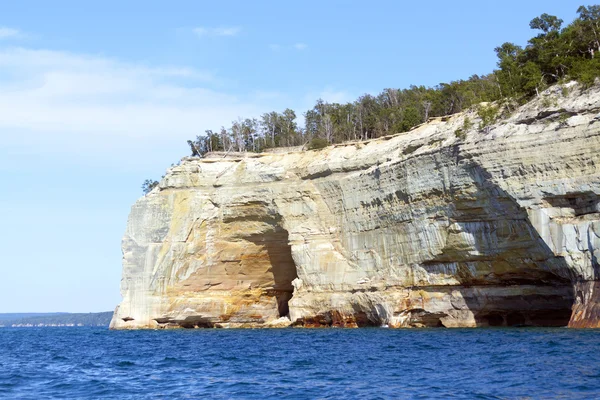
[{"x": 94, "y": 363}]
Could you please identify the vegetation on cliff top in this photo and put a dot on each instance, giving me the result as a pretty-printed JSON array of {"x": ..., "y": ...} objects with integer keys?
[
  {"x": 554, "y": 55},
  {"x": 148, "y": 185}
]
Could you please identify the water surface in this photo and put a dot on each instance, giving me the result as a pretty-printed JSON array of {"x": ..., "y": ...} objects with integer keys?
[{"x": 93, "y": 363}]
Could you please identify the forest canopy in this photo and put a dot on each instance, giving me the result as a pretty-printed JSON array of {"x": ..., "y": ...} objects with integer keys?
[{"x": 555, "y": 54}]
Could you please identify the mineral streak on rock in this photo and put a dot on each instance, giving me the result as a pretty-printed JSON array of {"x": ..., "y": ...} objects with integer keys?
[{"x": 498, "y": 227}]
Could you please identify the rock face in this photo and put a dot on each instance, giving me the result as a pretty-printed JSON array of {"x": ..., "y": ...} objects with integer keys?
[{"x": 426, "y": 228}]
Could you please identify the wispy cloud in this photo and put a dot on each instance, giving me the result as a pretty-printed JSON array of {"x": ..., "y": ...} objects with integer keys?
[
  {"x": 60, "y": 102},
  {"x": 219, "y": 31},
  {"x": 300, "y": 46},
  {"x": 6, "y": 33},
  {"x": 329, "y": 95},
  {"x": 336, "y": 96},
  {"x": 296, "y": 46}
]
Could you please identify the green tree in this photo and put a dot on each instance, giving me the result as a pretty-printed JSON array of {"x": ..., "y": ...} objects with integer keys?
[
  {"x": 589, "y": 20},
  {"x": 411, "y": 118},
  {"x": 509, "y": 76},
  {"x": 289, "y": 129},
  {"x": 270, "y": 124},
  {"x": 546, "y": 23},
  {"x": 488, "y": 114},
  {"x": 148, "y": 185}
]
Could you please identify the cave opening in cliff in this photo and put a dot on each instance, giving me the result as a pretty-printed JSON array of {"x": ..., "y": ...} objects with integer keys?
[
  {"x": 279, "y": 253},
  {"x": 523, "y": 318},
  {"x": 526, "y": 305}
]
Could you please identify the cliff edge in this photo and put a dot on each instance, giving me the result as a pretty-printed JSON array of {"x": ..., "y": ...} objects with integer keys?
[{"x": 439, "y": 226}]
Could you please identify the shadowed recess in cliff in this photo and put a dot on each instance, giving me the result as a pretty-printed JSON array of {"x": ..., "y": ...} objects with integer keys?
[
  {"x": 532, "y": 293},
  {"x": 575, "y": 204},
  {"x": 283, "y": 268}
]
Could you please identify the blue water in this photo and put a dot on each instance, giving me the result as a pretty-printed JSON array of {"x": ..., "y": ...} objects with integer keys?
[{"x": 94, "y": 363}]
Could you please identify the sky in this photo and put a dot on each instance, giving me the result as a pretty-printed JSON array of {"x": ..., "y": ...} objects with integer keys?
[{"x": 96, "y": 98}]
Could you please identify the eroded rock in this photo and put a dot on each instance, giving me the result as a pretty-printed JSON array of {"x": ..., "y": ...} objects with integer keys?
[{"x": 418, "y": 229}]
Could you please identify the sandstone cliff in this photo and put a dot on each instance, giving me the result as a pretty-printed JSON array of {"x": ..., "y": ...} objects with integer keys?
[{"x": 425, "y": 228}]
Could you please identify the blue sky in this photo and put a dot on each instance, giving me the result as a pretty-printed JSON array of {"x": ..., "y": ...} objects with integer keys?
[{"x": 96, "y": 98}]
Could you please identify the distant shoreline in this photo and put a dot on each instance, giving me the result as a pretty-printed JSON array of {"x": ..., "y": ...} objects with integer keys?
[{"x": 41, "y": 320}]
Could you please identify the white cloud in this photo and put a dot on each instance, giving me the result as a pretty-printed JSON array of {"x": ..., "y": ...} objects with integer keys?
[
  {"x": 331, "y": 95},
  {"x": 295, "y": 46},
  {"x": 220, "y": 31},
  {"x": 6, "y": 33},
  {"x": 300, "y": 46},
  {"x": 54, "y": 101}
]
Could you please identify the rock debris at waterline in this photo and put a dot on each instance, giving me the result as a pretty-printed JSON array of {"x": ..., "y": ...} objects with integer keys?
[{"x": 424, "y": 228}]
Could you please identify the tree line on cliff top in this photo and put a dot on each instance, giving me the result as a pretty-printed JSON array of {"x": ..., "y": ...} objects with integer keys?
[{"x": 554, "y": 55}]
